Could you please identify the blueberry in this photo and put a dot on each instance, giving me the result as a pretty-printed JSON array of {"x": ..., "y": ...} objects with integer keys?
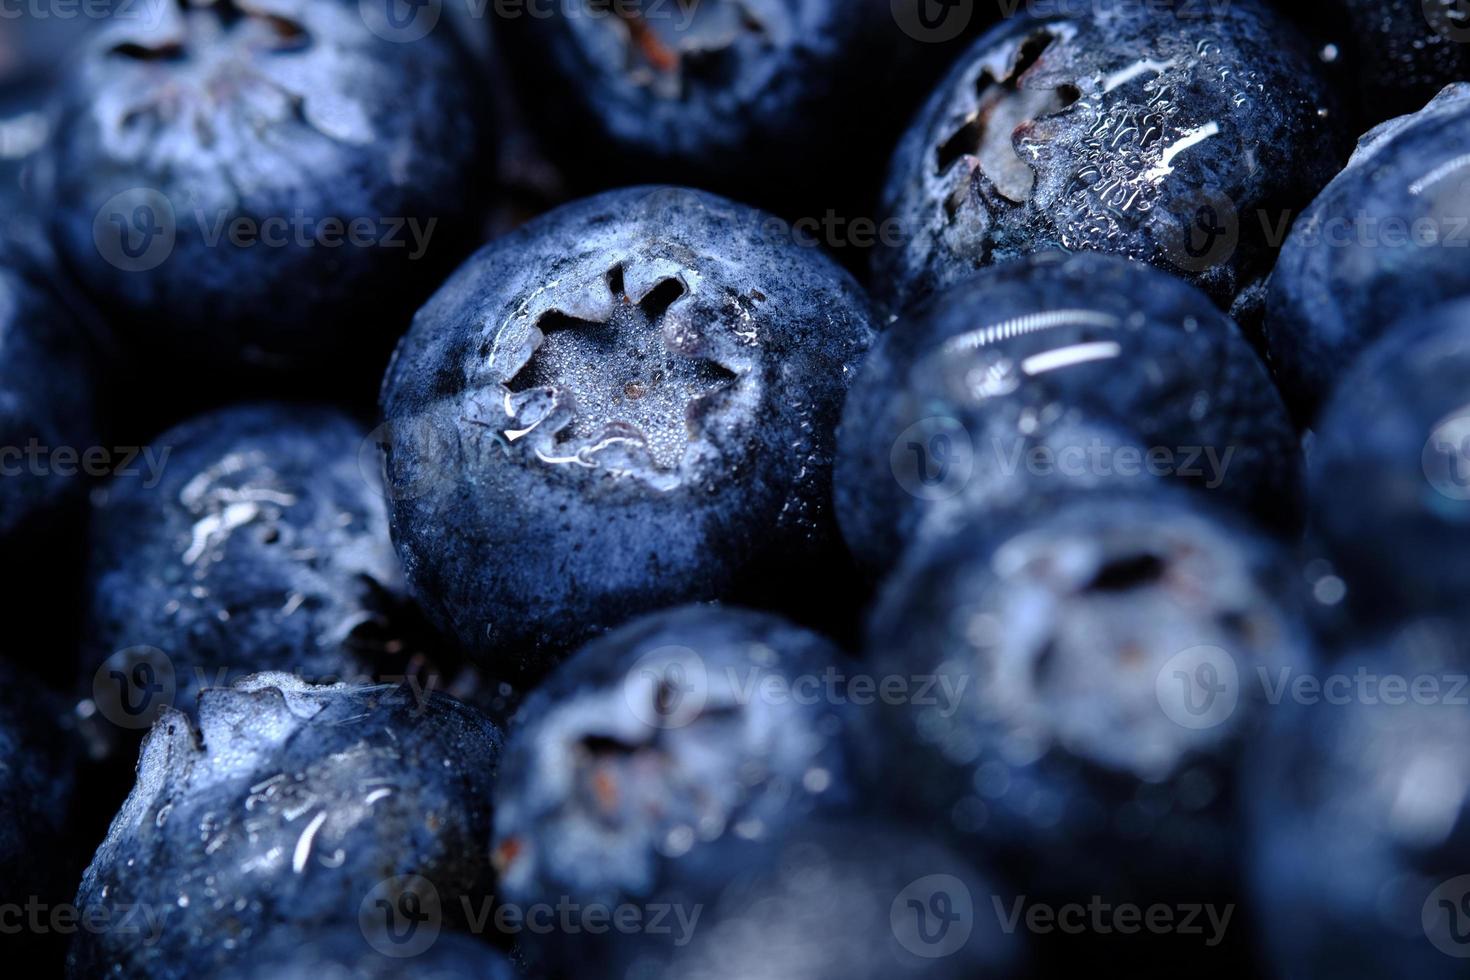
[
  {"x": 857, "y": 900},
  {"x": 1096, "y": 674},
  {"x": 1390, "y": 469},
  {"x": 344, "y": 953},
  {"x": 1357, "y": 802},
  {"x": 289, "y": 808},
  {"x": 1051, "y": 374},
  {"x": 244, "y": 540},
  {"x": 262, "y": 186},
  {"x": 1385, "y": 239},
  {"x": 628, "y": 403},
  {"x": 1158, "y": 132},
  {"x": 759, "y": 98},
  {"x": 660, "y": 738}
]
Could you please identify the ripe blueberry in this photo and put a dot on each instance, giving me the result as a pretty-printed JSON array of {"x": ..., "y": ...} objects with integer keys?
[
  {"x": 248, "y": 539},
  {"x": 628, "y": 403},
  {"x": 1390, "y": 469},
  {"x": 1386, "y": 238},
  {"x": 658, "y": 739},
  {"x": 250, "y": 184},
  {"x": 1158, "y": 132},
  {"x": 1051, "y": 374},
  {"x": 1358, "y": 821},
  {"x": 1101, "y": 668},
  {"x": 291, "y": 806}
]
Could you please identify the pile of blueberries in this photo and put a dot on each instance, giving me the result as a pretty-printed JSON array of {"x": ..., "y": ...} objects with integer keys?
[{"x": 710, "y": 489}]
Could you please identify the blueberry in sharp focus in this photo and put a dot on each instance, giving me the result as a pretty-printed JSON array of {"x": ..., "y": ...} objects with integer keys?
[
  {"x": 850, "y": 900},
  {"x": 1098, "y": 671},
  {"x": 1387, "y": 238},
  {"x": 751, "y": 97},
  {"x": 1159, "y": 132},
  {"x": 1358, "y": 799},
  {"x": 1051, "y": 374},
  {"x": 662, "y": 737},
  {"x": 626, "y": 404},
  {"x": 263, "y": 186},
  {"x": 1390, "y": 469},
  {"x": 291, "y": 807},
  {"x": 249, "y": 539}
]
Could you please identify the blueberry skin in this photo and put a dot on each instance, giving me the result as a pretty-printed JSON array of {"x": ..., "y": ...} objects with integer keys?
[
  {"x": 291, "y": 807},
  {"x": 1344, "y": 276},
  {"x": 48, "y": 380},
  {"x": 1388, "y": 477},
  {"x": 756, "y": 97},
  {"x": 343, "y": 953},
  {"x": 657, "y": 740},
  {"x": 851, "y": 900},
  {"x": 264, "y": 545},
  {"x": 1154, "y": 133},
  {"x": 1056, "y": 354},
  {"x": 1357, "y": 815},
  {"x": 1099, "y": 669},
  {"x": 37, "y": 790},
  {"x": 266, "y": 111},
  {"x": 626, "y": 404}
]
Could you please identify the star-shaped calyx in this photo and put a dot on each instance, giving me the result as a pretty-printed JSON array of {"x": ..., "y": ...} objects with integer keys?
[
  {"x": 614, "y": 381},
  {"x": 1004, "y": 108},
  {"x": 667, "y": 44}
]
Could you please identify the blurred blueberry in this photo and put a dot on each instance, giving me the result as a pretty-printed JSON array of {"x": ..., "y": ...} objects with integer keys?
[
  {"x": 1092, "y": 677},
  {"x": 1387, "y": 238},
  {"x": 1049, "y": 375}
]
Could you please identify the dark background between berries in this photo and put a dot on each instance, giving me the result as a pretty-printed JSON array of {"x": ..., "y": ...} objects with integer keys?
[{"x": 742, "y": 353}]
